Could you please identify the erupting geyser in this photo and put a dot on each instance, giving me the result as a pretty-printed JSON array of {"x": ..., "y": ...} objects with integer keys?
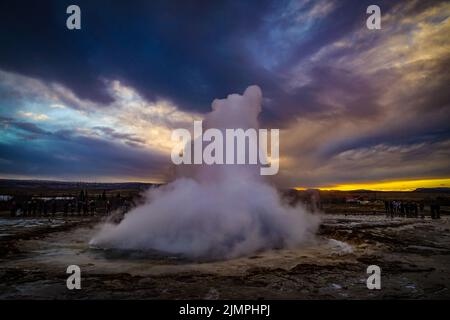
[{"x": 215, "y": 211}]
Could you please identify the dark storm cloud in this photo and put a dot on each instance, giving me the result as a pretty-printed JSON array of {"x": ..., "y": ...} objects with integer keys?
[
  {"x": 332, "y": 85},
  {"x": 26, "y": 127},
  {"x": 187, "y": 52},
  {"x": 330, "y": 91},
  {"x": 183, "y": 51},
  {"x": 65, "y": 153},
  {"x": 35, "y": 43},
  {"x": 69, "y": 155},
  {"x": 345, "y": 17},
  {"x": 114, "y": 135}
]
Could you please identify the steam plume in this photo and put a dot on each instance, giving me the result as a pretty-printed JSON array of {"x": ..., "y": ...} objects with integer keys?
[{"x": 216, "y": 211}]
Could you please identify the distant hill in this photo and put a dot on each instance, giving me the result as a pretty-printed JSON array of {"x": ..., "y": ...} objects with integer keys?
[
  {"x": 61, "y": 185},
  {"x": 433, "y": 190}
]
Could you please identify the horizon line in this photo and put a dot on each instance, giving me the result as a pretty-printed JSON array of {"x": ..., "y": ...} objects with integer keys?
[
  {"x": 391, "y": 185},
  {"x": 378, "y": 186}
]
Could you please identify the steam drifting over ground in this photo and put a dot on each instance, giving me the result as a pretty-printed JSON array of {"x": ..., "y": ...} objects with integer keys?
[{"x": 215, "y": 211}]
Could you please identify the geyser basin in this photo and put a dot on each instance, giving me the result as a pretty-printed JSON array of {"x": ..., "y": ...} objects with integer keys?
[
  {"x": 214, "y": 211},
  {"x": 325, "y": 270}
]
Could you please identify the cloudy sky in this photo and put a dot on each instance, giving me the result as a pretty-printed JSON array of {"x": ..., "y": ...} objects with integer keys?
[{"x": 353, "y": 105}]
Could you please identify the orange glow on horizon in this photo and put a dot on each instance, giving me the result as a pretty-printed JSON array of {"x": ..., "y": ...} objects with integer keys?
[{"x": 400, "y": 185}]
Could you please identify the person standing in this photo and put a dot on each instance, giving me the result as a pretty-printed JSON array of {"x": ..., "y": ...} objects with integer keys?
[
  {"x": 422, "y": 209},
  {"x": 25, "y": 208},
  {"x": 13, "y": 208},
  {"x": 108, "y": 207},
  {"x": 33, "y": 206},
  {"x": 45, "y": 208},
  {"x": 85, "y": 208},
  {"x": 65, "y": 208},
  {"x": 53, "y": 207}
]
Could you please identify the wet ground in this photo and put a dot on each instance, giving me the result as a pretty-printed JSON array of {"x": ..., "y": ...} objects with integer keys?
[{"x": 413, "y": 254}]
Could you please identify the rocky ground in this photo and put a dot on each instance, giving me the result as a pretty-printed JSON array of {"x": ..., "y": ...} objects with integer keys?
[{"x": 414, "y": 256}]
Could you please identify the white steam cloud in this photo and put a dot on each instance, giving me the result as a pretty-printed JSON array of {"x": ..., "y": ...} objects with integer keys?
[{"x": 214, "y": 211}]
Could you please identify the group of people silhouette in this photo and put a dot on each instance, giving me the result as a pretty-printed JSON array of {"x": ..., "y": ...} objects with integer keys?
[
  {"x": 81, "y": 205},
  {"x": 410, "y": 209}
]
